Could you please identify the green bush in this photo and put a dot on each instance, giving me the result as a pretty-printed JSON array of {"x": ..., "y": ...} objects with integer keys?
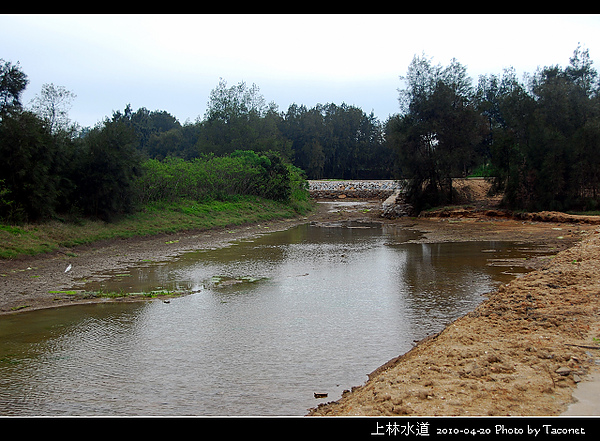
[{"x": 220, "y": 178}]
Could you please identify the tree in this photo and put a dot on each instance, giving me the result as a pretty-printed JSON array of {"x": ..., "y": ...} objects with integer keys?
[
  {"x": 107, "y": 166},
  {"x": 459, "y": 129},
  {"x": 53, "y": 105},
  {"x": 28, "y": 168},
  {"x": 273, "y": 180},
  {"x": 35, "y": 182},
  {"x": 146, "y": 125},
  {"x": 421, "y": 79},
  {"x": 238, "y": 118},
  {"x": 305, "y": 129},
  {"x": 438, "y": 131},
  {"x": 239, "y": 101},
  {"x": 509, "y": 109},
  {"x": 565, "y": 117},
  {"x": 336, "y": 141},
  {"x": 12, "y": 84},
  {"x": 545, "y": 135},
  {"x": 581, "y": 72}
]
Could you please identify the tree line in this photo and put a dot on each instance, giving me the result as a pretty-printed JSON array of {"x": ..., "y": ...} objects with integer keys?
[
  {"x": 51, "y": 168},
  {"x": 536, "y": 139},
  {"x": 325, "y": 141}
]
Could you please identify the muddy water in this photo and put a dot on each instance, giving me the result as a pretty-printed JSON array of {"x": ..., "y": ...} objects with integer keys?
[{"x": 269, "y": 322}]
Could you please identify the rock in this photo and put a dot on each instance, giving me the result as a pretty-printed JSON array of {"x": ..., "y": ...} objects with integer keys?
[{"x": 563, "y": 370}]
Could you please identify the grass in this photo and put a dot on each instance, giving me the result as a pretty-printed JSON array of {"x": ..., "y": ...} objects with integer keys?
[
  {"x": 104, "y": 294},
  {"x": 123, "y": 294},
  {"x": 155, "y": 218}
]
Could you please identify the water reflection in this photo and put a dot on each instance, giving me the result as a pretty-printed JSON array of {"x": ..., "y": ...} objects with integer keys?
[{"x": 322, "y": 307}]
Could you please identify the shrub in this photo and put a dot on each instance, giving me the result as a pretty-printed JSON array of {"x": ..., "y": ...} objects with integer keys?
[{"x": 220, "y": 177}]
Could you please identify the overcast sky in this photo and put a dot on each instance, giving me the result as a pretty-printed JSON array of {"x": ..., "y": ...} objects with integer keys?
[{"x": 172, "y": 62}]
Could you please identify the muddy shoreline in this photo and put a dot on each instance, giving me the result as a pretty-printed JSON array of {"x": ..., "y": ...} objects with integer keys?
[
  {"x": 505, "y": 358},
  {"x": 31, "y": 283}
]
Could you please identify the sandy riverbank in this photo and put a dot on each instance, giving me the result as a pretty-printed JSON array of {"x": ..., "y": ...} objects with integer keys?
[{"x": 521, "y": 352}]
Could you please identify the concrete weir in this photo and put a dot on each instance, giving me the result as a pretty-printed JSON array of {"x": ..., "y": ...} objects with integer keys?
[
  {"x": 377, "y": 189},
  {"x": 389, "y": 191}
]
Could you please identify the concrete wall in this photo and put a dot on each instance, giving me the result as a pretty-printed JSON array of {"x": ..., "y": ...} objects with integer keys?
[{"x": 381, "y": 189}]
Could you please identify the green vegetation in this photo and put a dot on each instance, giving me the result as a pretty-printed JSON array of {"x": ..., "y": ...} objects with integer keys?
[
  {"x": 60, "y": 186},
  {"x": 537, "y": 141},
  {"x": 106, "y": 294},
  {"x": 219, "y": 178},
  {"x": 155, "y": 218},
  {"x": 327, "y": 140}
]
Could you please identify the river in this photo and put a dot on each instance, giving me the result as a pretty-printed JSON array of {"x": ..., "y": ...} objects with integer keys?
[{"x": 270, "y": 322}]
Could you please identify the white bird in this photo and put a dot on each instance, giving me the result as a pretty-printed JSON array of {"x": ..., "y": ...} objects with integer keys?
[{"x": 68, "y": 268}]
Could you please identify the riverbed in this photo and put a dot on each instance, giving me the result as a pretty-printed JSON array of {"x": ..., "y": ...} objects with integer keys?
[{"x": 324, "y": 305}]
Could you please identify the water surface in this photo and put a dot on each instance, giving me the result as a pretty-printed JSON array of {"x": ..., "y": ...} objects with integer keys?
[{"x": 270, "y": 322}]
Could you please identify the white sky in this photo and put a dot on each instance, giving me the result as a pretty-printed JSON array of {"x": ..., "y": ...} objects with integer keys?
[{"x": 172, "y": 62}]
